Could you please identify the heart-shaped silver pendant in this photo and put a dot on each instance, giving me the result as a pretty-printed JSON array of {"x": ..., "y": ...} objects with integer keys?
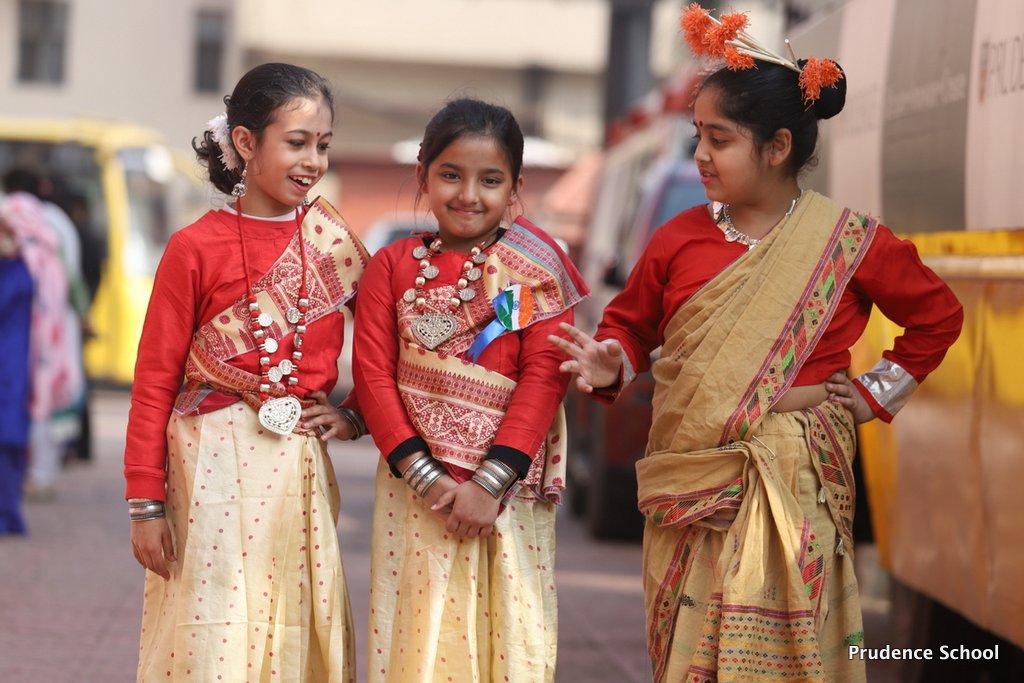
[
  {"x": 280, "y": 415},
  {"x": 433, "y": 329}
]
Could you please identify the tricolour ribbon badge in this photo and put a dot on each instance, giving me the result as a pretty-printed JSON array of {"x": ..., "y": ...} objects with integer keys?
[{"x": 514, "y": 307}]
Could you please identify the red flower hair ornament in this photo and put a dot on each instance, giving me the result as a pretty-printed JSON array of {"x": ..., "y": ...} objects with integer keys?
[{"x": 725, "y": 39}]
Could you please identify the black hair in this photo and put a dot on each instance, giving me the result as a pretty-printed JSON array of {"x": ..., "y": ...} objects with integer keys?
[
  {"x": 22, "y": 180},
  {"x": 767, "y": 98},
  {"x": 467, "y": 116},
  {"x": 256, "y": 98}
]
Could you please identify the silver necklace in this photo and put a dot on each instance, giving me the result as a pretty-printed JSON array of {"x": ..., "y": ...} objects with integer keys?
[
  {"x": 724, "y": 223},
  {"x": 282, "y": 413},
  {"x": 434, "y": 328}
]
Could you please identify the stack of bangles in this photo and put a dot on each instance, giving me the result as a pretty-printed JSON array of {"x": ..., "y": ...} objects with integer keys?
[
  {"x": 422, "y": 474},
  {"x": 357, "y": 421},
  {"x": 495, "y": 477},
  {"x": 141, "y": 509}
]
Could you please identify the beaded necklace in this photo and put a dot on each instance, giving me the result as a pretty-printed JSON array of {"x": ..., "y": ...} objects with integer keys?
[
  {"x": 280, "y": 414},
  {"x": 433, "y": 329}
]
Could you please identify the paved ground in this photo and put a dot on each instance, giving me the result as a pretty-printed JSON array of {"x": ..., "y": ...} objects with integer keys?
[{"x": 70, "y": 592}]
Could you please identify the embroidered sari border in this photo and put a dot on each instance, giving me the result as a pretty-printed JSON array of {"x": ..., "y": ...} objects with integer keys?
[
  {"x": 457, "y": 407},
  {"x": 816, "y": 306},
  {"x": 335, "y": 264},
  {"x": 526, "y": 255}
]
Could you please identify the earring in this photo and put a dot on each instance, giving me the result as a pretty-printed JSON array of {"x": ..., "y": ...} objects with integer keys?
[
  {"x": 239, "y": 189},
  {"x": 305, "y": 201}
]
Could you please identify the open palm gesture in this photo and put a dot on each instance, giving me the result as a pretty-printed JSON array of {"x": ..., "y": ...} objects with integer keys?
[{"x": 595, "y": 364}]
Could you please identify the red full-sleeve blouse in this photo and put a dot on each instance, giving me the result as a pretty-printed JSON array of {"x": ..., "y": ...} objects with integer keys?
[
  {"x": 689, "y": 250},
  {"x": 200, "y": 275}
]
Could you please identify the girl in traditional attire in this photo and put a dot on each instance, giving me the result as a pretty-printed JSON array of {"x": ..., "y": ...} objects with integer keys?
[
  {"x": 462, "y": 395},
  {"x": 232, "y": 496},
  {"x": 755, "y": 301}
]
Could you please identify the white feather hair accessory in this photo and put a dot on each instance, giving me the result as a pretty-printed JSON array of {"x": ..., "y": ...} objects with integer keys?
[{"x": 218, "y": 127}]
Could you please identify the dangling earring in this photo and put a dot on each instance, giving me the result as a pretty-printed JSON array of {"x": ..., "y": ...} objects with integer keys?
[
  {"x": 305, "y": 201},
  {"x": 239, "y": 189}
]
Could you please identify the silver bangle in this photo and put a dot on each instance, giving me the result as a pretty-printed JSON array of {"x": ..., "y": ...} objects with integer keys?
[
  {"x": 148, "y": 516},
  {"x": 422, "y": 474},
  {"x": 492, "y": 487},
  {"x": 357, "y": 421},
  {"x": 496, "y": 483},
  {"x": 495, "y": 477},
  {"x": 414, "y": 470},
  {"x": 428, "y": 480},
  {"x": 145, "y": 508},
  {"x": 500, "y": 468},
  {"x": 143, "y": 512},
  {"x": 149, "y": 512}
]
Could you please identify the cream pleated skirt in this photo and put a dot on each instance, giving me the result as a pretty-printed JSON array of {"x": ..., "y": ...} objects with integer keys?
[
  {"x": 258, "y": 590},
  {"x": 468, "y": 611}
]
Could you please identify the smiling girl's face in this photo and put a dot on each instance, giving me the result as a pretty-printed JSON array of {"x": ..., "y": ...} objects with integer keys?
[
  {"x": 287, "y": 159},
  {"x": 469, "y": 186}
]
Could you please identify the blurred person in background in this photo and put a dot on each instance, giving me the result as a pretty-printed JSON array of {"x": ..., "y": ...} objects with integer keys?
[
  {"x": 68, "y": 213},
  {"x": 55, "y": 354},
  {"x": 68, "y": 424},
  {"x": 15, "y": 321}
]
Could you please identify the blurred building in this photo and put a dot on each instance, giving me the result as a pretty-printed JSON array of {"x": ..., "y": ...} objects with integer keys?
[
  {"x": 164, "y": 65},
  {"x": 167, "y": 65}
]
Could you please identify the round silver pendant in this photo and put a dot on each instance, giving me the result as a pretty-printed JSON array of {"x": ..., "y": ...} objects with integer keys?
[
  {"x": 431, "y": 271},
  {"x": 479, "y": 258},
  {"x": 293, "y": 316},
  {"x": 420, "y": 252},
  {"x": 274, "y": 374},
  {"x": 270, "y": 345},
  {"x": 410, "y": 295},
  {"x": 467, "y": 294},
  {"x": 286, "y": 367},
  {"x": 473, "y": 274},
  {"x": 265, "y": 320}
]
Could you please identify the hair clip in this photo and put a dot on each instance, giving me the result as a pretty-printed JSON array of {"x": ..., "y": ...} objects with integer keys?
[
  {"x": 725, "y": 39},
  {"x": 218, "y": 127}
]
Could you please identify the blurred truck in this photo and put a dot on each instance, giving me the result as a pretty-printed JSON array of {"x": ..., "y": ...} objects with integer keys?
[{"x": 931, "y": 142}]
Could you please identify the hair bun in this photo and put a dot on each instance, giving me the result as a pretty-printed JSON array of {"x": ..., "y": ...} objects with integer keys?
[{"x": 832, "y": 98}]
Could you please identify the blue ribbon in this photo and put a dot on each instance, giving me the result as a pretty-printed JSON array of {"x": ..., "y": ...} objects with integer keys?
[{"x": 503, "y": 308}]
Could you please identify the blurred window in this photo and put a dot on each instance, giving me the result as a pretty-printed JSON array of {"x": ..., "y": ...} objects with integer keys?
[
  {"x": 211, "y": 27},
  {"x": 42, "y": 34}
]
